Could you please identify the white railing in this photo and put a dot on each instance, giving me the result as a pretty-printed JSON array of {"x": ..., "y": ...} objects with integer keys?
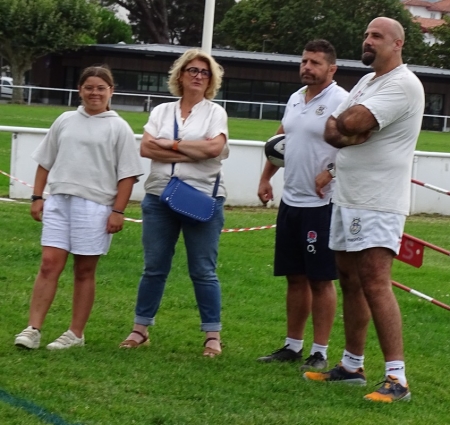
[
  {"x": 235, "y": 108},
  {"x": 145, "y": 102}
]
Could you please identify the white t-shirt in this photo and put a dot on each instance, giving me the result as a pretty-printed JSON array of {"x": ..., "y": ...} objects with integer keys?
[
  {"x": 376, "y": 175},
  {"x": 86, "y": 155},
  {"x": 306, "y": 153},
  {"x": 206, "y": 120}
]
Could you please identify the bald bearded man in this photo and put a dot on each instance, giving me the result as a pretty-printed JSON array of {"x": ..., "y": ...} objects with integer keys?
[{"x": 377, "y": 128}]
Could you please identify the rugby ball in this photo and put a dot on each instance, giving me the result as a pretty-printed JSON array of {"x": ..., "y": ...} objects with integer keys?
[{"x": 274, "y": 150}]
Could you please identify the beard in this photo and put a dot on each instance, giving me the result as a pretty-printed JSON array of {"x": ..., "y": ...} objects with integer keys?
[
  {"x": 312, "y": 80},
  {"x": 368, "y": 56}
]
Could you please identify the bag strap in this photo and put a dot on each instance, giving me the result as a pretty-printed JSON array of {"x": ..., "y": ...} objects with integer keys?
[{"x": 175, "y": 136}]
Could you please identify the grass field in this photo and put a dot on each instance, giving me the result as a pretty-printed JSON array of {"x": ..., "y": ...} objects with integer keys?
[{"x": 169, "y": 383}]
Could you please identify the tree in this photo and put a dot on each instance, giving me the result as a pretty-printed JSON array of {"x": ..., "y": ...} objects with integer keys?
[
  {"x": 148, "y": 19},
  {"x": 185, "y": 20},
  {"x": 439, "y": 54},
  {"x": 31, "y": 29},
  {"x": 110, "y": 29},
  {"x": 249, "y": 24},
  {"x": 169, "y": 21},
  {"x": 290, "y": 24}
]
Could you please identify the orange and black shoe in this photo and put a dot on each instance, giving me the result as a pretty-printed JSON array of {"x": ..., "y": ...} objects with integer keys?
[
  {"x": 390, "y": 391},
  {"x": 338, "y": 374}
]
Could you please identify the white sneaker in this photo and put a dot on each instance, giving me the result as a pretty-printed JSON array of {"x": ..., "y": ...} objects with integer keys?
[
  {"x": 28, "y": 338},
  {"x": 66, "y": 340}
]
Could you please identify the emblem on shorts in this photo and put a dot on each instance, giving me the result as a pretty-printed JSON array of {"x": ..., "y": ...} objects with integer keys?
[
  {"x": 320, "y": 110},
  {"x": 311, "y": 237},
  {"x": 355, "y": 227}
]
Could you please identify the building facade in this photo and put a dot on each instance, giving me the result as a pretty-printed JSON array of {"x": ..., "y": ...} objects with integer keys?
[{"x": 249, "y": 77}]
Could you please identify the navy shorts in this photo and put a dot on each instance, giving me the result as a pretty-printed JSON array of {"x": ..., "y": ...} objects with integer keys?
[{"x": 301, "y": 243}]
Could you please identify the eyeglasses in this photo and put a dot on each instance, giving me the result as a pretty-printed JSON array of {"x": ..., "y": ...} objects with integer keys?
[
  {"x": 100, "y": 89},
  {"x": 193, "y": 72}
]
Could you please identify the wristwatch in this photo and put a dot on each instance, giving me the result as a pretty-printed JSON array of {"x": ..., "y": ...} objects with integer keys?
[
  {"x": 36, "y": 198},
  {"x": 331, "y": 170}
]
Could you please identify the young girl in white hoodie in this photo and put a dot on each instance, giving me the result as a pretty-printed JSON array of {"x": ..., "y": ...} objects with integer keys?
[{"x": 89, "y": 160}]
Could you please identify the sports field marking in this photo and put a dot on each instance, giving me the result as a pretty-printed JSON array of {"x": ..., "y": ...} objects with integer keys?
[{"x": 33, "y": 409}]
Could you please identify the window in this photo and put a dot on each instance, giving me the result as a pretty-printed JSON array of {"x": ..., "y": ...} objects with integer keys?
[
  {"x": 286, "y": 90},
  {"x": 153, "y": 82},
  {"x": 434, "y": 104},
  {"x": 266, "y": 91}
]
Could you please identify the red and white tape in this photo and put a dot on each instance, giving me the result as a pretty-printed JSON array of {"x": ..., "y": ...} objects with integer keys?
[
  {"x": 430, "y": 186},
  {"x": 18, "y": 180},
  {"x": 421, "y": 295},
  {"x": 133, "y": 220}
]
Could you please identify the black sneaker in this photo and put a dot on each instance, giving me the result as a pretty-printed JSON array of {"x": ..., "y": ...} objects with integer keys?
[
  {"x": 338, "y": 374},
  {"x": 282, "y": 355},
  {"x": 315, "y": 361},
  {"x": 390, "y": 391}
]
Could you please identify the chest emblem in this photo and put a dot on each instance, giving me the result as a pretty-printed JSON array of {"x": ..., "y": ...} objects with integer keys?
[{"x": 321, "y": 109}]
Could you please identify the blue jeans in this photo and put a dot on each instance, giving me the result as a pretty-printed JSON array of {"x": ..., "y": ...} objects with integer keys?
[{"x": 160, "y": 231}]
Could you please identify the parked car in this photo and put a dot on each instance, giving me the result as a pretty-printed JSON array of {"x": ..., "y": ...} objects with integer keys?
[{"x": 6, "y": 89}]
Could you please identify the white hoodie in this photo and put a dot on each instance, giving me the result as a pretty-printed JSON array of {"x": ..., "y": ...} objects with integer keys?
[{"x": 86, "y": 155}]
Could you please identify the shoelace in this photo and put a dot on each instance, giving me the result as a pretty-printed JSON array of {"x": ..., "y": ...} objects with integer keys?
[
  {"x": 312, "y": 359},
  {"x": 386, "y": 383}
]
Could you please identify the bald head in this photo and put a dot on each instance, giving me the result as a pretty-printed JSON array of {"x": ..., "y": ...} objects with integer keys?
[
  {"x": 390, "y": 26},
  {"x": 383, "y": 44}
]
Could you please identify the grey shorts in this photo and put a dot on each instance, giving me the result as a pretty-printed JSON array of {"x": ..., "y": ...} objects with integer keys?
[{"x": 356, "y": 229}]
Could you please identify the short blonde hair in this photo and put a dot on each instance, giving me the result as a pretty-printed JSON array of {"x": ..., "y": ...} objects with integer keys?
[{"x": 179, "y": 66}]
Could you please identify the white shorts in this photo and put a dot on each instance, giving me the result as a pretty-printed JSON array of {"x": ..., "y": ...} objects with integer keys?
[
  {"x": 354, "y": 229},
  {"x": 75, "y": 225}
]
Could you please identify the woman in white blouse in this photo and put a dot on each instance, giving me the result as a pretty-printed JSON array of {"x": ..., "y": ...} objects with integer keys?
[{"x": 187, "y": 139}]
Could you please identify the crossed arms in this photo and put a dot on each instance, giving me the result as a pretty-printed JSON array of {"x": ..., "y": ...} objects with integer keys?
[
  {"x": 352, "y": 127},
  {"x": 188, "y": 151}
]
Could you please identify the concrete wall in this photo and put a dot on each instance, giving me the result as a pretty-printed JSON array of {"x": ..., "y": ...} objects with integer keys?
[{"x": 242, "y": 171}]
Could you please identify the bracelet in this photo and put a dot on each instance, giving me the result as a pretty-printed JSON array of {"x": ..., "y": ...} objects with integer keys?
[
  {"x": 175, "y": 144},
  {"x": 118, "y": 212}
]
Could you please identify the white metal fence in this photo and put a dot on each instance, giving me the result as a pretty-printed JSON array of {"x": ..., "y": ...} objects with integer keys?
[{"x": 146, "y": 102}]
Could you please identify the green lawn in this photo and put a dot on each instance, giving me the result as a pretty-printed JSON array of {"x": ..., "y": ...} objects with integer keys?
[
  {"x": 169, "y": 383},
  {"x": 42, "y": 116},
  {"x": 246, "y": 129}
]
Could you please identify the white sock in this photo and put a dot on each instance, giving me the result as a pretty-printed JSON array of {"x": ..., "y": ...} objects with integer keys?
[
  {"x": 294, "y": 344},
  {"x": 352, "y": 362},
  {"x": 396, "y": 368},
  {"x": 322, "y": 349}
]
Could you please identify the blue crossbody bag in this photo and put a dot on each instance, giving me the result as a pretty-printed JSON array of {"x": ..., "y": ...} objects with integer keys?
[{"x": 193, "y": 205}]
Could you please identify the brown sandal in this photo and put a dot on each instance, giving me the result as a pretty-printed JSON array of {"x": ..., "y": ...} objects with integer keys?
[
  {"x": 131, "y": 343},
  {"x": 211, "y": 352}
]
